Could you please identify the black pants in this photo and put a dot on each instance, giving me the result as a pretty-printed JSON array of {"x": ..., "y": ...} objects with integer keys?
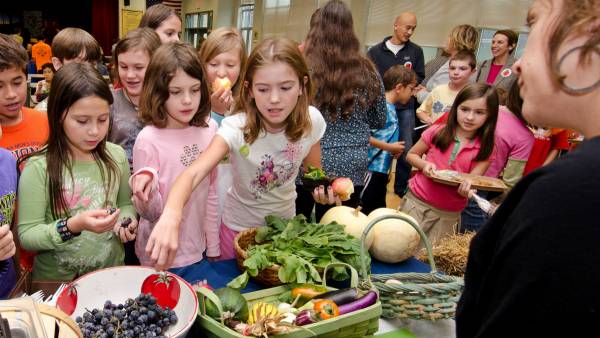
[
  {"x": 374, "y": 193},
  {"x": 305, "y": 203}
]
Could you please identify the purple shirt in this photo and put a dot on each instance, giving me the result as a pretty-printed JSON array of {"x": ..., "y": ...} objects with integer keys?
[
  {"x": 8, "y": 193},
  {"x": 513, "y": 141}
]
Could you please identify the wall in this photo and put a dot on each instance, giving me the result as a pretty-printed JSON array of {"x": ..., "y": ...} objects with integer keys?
[{"x": 134, "y": 5}]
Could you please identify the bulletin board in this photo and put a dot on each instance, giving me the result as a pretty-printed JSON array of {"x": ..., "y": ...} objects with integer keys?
[{"x": 130, "y": 20}]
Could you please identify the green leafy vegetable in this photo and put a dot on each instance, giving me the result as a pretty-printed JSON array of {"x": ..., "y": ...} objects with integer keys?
[
  {"x": 302, "y": 249},
  {"x": 315, "y": 173}
]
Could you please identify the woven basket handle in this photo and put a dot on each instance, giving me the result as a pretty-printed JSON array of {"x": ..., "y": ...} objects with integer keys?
[
  {"x": 212, "y": 297},
  {"x": 353, "y": 273},
  {"x": 408, "y": 220}
]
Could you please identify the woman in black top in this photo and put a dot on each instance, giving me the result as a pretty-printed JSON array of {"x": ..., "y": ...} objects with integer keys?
[{"x": 534, "y": 268}]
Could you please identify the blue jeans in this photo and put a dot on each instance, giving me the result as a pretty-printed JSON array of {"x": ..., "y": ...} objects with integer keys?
[
  {"x": 406, "y": 122},
  {"x": 472, "y": 217}
]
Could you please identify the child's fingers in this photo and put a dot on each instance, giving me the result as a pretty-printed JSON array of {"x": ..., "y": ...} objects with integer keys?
[
  {"x": 4, "y": 229},
  {"x": 7, "y": 249},
  {"x": 161, "y": 261}
]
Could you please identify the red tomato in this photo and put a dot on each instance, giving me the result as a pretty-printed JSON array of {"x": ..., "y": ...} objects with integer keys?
[
  {"x": 67, "y": 300},
  {"x": 164, "y": 288}
]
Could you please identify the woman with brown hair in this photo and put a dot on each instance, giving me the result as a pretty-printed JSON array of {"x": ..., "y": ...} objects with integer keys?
[
  {"x": 497, "y": 71},
  {"x": 537, "y": 258},
  {"x": 349, "y": 94}
]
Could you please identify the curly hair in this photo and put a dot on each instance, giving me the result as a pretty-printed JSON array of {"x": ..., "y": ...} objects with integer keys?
[
  {"x": 464, "y": 37},
  {"x": 342, "y": 74}
]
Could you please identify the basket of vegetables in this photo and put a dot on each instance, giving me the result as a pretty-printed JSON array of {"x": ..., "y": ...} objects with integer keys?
[
  {"x": 290, "y": 311},
  {"x": 295, "y": 251},
  {"x": 427, "y": 296}
]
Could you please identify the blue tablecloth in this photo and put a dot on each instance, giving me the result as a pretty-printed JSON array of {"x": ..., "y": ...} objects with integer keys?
[{"x": 218, "y": 274}]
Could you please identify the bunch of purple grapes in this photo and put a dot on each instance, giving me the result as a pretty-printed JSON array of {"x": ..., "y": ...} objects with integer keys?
[{"x": 137, "y": 318}]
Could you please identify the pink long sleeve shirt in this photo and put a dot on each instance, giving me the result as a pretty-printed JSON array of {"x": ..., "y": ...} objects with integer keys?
[{"x": 166, "y": 153}]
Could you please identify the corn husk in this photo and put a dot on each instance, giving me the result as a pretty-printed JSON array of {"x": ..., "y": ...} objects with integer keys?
[{"x": 450, "y": 253}]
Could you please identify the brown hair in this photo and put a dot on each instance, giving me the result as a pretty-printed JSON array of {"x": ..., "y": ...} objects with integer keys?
[
  {"x": 71, "y": 83},
  {"x": 71, "y": 43},
  {"x": 398, "y": 74},
  {"x": 220, "y": 41},
  {"x": 268, "y": 52},
  {"x": 514, "y": 101},
  {"x": 156, "y": 14},
  {"x": 445, "y": 136},
  {"x": 12, "y": 54},
  {"x": 464, "y": 37},
  {"x": 165, "y": 62},
  {"x": 512, "y": 38},
  {"x": 343, "y": 75},
  {"x": 576, "y": 17},
  {"x": 465, "y": 55},
  {"x": 144, "y": 39}
]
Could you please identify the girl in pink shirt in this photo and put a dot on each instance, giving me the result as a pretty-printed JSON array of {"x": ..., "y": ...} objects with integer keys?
[
  {"x": 464, "y": 144},
  {"x": 175, "y": 107}
]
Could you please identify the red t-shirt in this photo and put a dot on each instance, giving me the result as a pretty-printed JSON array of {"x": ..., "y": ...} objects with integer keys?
[
  {"x": 494, "y": 70},
  {"x": 545, "y": 141}
]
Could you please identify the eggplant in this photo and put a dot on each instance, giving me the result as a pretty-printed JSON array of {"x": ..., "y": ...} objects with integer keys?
[
  {"x": 365, "y": 301},
  {"x": 306, "y": 317},
  {"x": 340, "y": 297}
]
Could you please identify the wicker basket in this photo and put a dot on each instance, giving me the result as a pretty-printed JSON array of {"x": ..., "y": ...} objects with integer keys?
[
  {"x": 266, "y": 277},
  {"x": 356, "y": 324},
  {"x": 428, "y": 296}
]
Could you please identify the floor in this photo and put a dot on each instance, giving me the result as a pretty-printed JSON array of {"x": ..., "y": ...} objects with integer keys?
[{"x": 391, "y": 199}]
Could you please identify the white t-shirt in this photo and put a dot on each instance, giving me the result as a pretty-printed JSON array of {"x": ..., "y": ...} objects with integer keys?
[
  {"x": 394, "y": 48},
  {"x": 264, "y": 172}
]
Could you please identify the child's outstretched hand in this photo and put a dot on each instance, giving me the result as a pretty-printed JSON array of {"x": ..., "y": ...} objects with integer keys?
[
  {"x": 330, "y": 197},
  {"x": 141, "y": 185},
  {"x": 98, "y": 220},
  {"x": 464, "y": 189},
  {"x": 221, "y": 100},
  {"x": 164, "y": 240},
  {"x": 7, "y": 244},
  {"x": 428, "y": 169},
  {"x": 126, "y": 229}
]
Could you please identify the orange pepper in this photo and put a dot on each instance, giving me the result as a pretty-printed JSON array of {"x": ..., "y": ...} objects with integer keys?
[{"x": 326, "y": 309}]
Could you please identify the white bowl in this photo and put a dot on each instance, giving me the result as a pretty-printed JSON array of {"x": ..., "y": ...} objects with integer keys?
[{"x": 117, "y": 284}]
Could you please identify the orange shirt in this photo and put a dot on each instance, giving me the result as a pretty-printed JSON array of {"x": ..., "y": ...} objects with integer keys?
[
  {"x": 26, "y": 136},
  {"x": 21, "y": 139},
  {"x": 41, "y": 53}
]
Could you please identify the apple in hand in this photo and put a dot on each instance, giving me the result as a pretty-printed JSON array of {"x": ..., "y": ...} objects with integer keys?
[
  {"x": 221, "y": 82},
  {"x": 343, "y": 187}
]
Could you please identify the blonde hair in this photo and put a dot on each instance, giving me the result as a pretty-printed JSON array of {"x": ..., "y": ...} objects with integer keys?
[
  {"x": 165, "y": 62},
  {"x": 268, "y": 52},
  {"x": 220, "y": 41},
  {"x": 464, "y": 37}
]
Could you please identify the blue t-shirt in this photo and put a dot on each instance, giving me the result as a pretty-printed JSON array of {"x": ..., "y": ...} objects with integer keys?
[
  {"x": 389, "y": 134},
  {"x": 8, "y": 194}
]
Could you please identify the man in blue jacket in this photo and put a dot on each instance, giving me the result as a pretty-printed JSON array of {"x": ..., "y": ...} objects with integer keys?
[{"x": 393, "y": 50}]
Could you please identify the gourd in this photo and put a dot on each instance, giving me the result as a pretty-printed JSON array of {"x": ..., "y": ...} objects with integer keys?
[
  {"x": 353, "y": 220},
  {"x": 394, "y": 240}
]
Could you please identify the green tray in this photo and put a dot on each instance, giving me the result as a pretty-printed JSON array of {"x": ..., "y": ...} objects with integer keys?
[{"x": 356, "y": 324}]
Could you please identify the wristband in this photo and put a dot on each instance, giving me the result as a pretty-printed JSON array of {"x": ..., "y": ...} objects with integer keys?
[{"x": 63, "y": 230}]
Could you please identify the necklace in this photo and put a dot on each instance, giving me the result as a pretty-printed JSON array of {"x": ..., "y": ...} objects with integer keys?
[{"x": 135, "y": 106}]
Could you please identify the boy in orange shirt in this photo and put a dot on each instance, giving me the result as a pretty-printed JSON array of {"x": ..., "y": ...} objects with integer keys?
[{"x": 24, "y": 130}]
